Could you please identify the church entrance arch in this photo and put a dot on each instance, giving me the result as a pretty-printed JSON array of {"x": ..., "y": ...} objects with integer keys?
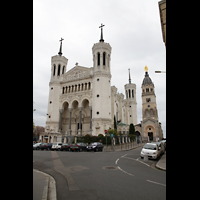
[
  {"x": 85, "y": 117},
  {"x": 65, "y": 117},
  {"x": 150, "y": 132},
  {"x": 137, "y": 133}
]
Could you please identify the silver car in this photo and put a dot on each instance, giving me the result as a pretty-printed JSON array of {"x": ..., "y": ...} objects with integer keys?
[{"x": 160, "y": 146}]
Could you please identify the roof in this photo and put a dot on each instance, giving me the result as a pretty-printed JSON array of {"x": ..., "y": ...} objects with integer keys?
[
  {"x": 147, "y": 79},
  {"x": 122, "y": 124}
]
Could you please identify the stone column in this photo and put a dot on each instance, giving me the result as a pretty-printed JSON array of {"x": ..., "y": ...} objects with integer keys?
[
  {"x": 60, "y": 122},
  {"x": 90, "y": 118},
  {"x": 70, "y": 118},
  {"x": 80, "y": 113}
]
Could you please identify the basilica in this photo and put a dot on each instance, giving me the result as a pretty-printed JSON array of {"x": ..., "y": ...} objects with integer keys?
[{"x": 82, "y": 101}]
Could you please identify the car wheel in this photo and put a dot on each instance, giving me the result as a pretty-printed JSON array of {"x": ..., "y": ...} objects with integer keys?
[{"x": 80, "y": 150}]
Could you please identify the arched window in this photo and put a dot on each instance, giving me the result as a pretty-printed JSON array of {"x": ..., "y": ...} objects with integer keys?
[
  {"x": 63, "y": 70},
  {"x": 58, "y": 70},
  {"x": 129, "y": 93},
  {"x": 98, "y": 57},
  {"x": 104, "y": 58},
  {"x": 54, "y": 70},
  {"x": 132, "y": 93}
]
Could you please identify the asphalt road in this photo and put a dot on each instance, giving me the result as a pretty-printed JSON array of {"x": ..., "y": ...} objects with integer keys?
[{"x": 102, "y": 175}]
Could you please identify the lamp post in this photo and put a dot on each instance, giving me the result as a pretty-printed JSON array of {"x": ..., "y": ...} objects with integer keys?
[{"x": 160, "y": 71}]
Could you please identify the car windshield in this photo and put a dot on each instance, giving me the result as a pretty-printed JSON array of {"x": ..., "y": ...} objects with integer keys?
[{"x": 149, "y": 146}]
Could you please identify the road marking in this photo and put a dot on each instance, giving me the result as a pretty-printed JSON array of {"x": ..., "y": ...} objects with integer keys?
[
  {"x": 137, "y": 161},
  {"x": 123, "y": 155},
  {"x": 156, "y": 183},
  {"x": 116, "y": 161},
  {"x": 125, "y": 171}
]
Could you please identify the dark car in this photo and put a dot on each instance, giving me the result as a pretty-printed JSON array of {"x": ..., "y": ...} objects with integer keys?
[
  {"x": 96, "y": 146},
  {"x": 78, "y": 147},
  {"x": 46, "y": 146},
  {"x": 65, "y": 147}
]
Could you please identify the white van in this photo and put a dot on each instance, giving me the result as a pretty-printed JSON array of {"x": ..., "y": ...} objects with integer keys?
[
  {"x": 151, "y": 150},
  {"x": 56, "y": 146}
]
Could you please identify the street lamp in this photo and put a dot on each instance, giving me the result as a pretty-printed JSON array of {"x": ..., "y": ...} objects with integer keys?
[{"x": 160, "y": 71}]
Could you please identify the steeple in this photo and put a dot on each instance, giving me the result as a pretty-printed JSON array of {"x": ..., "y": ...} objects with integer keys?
[
  {"x": 60, "y": 52},
  {"x": 129, "y": 76},
  {"x": 147, "y": 79},
  {"x": 101, "y": 39}
]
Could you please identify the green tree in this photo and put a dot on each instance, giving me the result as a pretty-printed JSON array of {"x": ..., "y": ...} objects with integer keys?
[
  {"x": 131, "y": 129},
  {"x": 132, "y": 132},
  {"x": 87, "y": 138},
  {"x": 115, "y": 123},
  {"x": 114, "y": 131}
]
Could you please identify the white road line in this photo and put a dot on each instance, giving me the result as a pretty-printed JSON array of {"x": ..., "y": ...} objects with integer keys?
[
  {"x": 156, "y": 183},
  {"x": 123, "y": 155},
  {"x": 137, "y": 161},
  {"x": 125, "y": 171},
  {"x": 116, "y": 161}
]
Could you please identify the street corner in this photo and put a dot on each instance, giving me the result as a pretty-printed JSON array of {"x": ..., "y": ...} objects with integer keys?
[{"x": 161, "y": 164}]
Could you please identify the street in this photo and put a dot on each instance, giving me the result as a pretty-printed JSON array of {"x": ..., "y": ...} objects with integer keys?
[{"x": 102, "y": 175}]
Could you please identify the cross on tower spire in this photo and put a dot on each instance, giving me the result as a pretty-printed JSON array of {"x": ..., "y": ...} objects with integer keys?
[
  {"x": 101, "y": 39},
  {"x": 60, "y": 52},
  {"x": 129, "y": 76}
]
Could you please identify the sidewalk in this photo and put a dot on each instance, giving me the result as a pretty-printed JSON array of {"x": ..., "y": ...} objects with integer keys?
[
  {"x": 161, "y": 164},
  {"x": 43, "y": 186}
]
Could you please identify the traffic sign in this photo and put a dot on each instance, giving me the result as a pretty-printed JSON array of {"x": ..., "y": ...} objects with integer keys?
[
  {"x": 105, "y": 131},
  {"x": 111, "y": 134}
]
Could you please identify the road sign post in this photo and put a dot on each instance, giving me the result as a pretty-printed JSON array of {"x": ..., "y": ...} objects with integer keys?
[
  {"x": 106, "y": 139},
  {"x": 112, "y": 140}
]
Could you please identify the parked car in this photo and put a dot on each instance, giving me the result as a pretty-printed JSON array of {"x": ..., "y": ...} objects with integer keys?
[
  {"x": 78, "y": 147},
  {"x": 96, "y": 146},
  {"x": 56, "y": 146},
  {"x": 65, "y": 147},
  {"x": 37, "y": 146},
  {"x": 161, "y": 147},
  {"x": 46, "y": 146},
  {"x": 151, "y": 150}
]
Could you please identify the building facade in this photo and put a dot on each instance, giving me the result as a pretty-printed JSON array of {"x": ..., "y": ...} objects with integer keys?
[{"x": 82, "y": 100}]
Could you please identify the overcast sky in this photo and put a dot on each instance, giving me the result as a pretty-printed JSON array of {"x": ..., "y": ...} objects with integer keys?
[{"x": 132, "y": 28}]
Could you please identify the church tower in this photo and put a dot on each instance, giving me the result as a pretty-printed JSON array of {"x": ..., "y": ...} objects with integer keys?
[
  {"x": 149, "y": 107},
  {"x": 131, "y": 104},
  {"x": 58, "y": 68},
  {"x": 101, "y": 100}
]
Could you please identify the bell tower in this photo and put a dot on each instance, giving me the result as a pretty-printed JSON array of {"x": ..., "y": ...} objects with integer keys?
[
  {"x": 131, "y": 104},
  {"x": 101, "y": 100},
  {"x": 58, "y": 68},
  {"x": 149, "y": 107}
]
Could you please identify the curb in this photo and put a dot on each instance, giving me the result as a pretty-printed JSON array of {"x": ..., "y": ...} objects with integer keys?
[
  {"x": 49, "y": 191},
  {"x": 159, "y": 167}
]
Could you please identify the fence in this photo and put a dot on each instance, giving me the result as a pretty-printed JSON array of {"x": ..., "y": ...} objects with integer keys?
[{"x": 123, "y": 146}]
